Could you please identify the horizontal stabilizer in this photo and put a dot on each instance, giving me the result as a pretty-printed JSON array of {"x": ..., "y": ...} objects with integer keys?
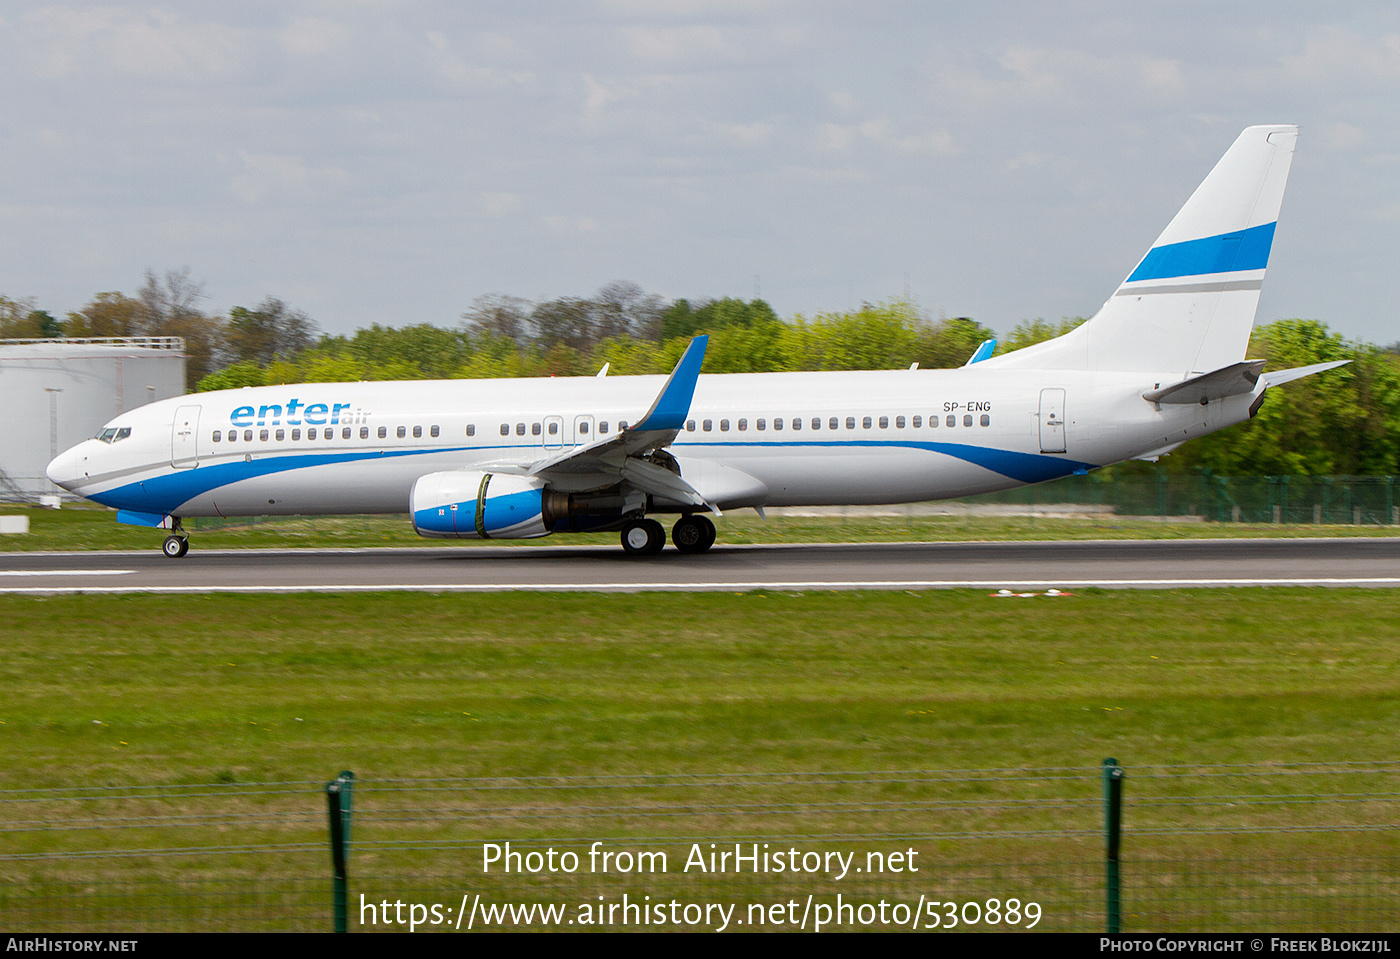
[
  {"x": 1276, "y": 377},
  {"x": 1232, "y": 380}
]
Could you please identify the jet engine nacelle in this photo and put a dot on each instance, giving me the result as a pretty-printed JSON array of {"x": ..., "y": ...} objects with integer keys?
[{"x": 476, "y": 505}]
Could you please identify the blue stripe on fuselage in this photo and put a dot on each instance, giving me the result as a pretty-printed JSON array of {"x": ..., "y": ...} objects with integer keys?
[
  {"x": 1225, "y": 253},
  {"x": 166, "y": 493}
]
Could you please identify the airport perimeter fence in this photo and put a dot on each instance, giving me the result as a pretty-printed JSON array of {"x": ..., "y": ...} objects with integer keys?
[
  {"x": 1281, "y": 847},
  {"x": 1336, "y": 500}
]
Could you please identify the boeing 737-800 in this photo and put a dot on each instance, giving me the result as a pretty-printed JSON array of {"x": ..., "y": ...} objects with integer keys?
[{"x": 1163, "y": 361}]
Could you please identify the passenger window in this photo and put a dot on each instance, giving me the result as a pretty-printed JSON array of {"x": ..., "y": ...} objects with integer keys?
[
  {"x": 296, "y": 435},
  {"x": 505, "y": 429},
  {"x": 986, "y": 420},
  {"x": 724, "y": 426},
  {"x": 281, "y": 436},
  {"x": 743, "y": 425},
  {"x": 434, "y": 432},
  {"x": 917, "y": 422},
  {"x": 865, "y": 423},
  {"x": 850, "y": 422},
  {"x": 762, "y": 423},
  {"x": 797, "y": 422},
  {"x": 884, "y": 422},
  {"x": 519, "y": 429},
  {"x": 233, "y": 436},
  {"x": 418, "y": 432},
  {"x": 217, "y": 435},
  {"x": 345, "y": 433},
  {"x": 364, "y": 432},
  {"x": 262, "y": 435},
  {"x": 583, "y": 427},
  {"x": 383, "y": 432},
  {"x": 247, "y": 436},
  {"x": 471, "y": 429},
  {"x": 553, "y": 429},
  {"x": 778, "y": 423},
  {"x": 708, "y": 426},
  {"x": 690, "y": 426},
  {"x": 311, "y": 433},
  {"x": 899, "y": 422},
  {"x": 330, "y": 434},
  {"x": 603, "y": 426},
  {"x": 816, "y": 422},
  {"x": 621, "y": 425},
  {"x": 401, "y": 432},
  {"x": 535, "y": 429},
  {"x": 967, "y": 419}
]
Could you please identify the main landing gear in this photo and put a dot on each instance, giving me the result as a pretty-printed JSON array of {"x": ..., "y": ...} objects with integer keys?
[
  {"x": 177, "y": 544},
  {"x": 646, "y": 537},
  {"x": 693, "y": 534}
]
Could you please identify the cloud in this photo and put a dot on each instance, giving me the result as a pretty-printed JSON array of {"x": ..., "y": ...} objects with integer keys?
[
  {"x": 312, "y": 36},
  {"x": 267, "y": 175},
  {"x": 569, "y": 225},
  {"x": 153, "y": 45},
  {"x": 888, "y": 135},
  {"x": 1334, "y": 56}
]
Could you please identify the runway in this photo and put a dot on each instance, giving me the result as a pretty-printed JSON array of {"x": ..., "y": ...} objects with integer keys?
[{"x": 1138, "y": 564}]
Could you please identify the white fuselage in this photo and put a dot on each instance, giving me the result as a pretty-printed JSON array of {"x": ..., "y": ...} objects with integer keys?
[{"x": 763, "y": 439}]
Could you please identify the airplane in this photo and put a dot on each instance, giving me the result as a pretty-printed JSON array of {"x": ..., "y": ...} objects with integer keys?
[{"x": 1162, "y": 362}]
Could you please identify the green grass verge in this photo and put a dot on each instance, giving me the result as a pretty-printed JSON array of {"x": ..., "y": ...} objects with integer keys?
[
  {"x": 85, "y": 527},
  {"x": 140, "y": 690},
  {"x": 154, "y": 689}
]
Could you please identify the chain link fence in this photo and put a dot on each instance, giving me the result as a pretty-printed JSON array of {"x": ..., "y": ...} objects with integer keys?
[
  {"x": 1288, "y": 847},
  {"x": 1345, "y": 500}
]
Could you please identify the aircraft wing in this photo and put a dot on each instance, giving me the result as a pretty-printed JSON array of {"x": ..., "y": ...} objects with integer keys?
[{"x": 623, "y": 456}]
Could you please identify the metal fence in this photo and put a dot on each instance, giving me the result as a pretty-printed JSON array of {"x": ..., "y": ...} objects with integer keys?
[
  {"x": 1288, "y": 847},
  {"x": 1356, "y": 500}
]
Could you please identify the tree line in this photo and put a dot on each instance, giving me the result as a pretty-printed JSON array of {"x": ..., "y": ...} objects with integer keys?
[{"x": 1344, "y": 422}]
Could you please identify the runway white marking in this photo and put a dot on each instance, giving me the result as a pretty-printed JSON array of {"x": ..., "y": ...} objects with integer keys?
[
  {"x": 743, "y": 586},
  {"x": 65, "y": 572}
]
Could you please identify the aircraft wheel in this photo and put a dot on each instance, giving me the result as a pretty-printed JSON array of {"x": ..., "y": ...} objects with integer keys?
[
  {"x": 643, "y": 537},
  {"x": 175, "y": 546},
  {"x": 693, "y": 534}
]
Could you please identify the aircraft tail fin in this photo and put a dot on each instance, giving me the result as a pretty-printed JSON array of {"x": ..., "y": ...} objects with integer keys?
[{"x": 1189, "y": 304}]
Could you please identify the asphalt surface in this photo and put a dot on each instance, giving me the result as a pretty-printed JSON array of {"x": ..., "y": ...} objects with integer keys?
[{"x": 1014, "y": 566}]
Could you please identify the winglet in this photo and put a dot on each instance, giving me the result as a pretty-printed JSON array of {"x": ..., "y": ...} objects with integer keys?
[
  {"x": 673, "y": 403},
  {"x": 987, "y": 348}
]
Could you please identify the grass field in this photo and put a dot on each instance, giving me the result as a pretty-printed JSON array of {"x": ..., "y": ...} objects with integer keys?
[
  {"x": 286, "y": 687},
  {"x": 142, "y": 691},
  {"x": 86, "y": 527}
]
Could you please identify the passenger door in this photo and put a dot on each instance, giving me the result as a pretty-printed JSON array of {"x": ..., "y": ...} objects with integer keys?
[{"x": 184, "y": 434}]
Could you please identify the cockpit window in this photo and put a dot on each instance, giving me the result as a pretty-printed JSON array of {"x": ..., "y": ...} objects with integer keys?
[{"x": 112, "y": 434}]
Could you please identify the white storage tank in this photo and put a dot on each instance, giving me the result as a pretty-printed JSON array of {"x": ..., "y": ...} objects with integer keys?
[{"x": 56, "y": 393}]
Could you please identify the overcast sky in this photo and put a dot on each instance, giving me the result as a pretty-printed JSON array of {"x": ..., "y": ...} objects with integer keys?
[{"x": 379, "y": 161}]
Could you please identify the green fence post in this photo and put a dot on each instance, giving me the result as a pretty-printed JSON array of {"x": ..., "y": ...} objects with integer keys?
[
  {"x": 338, "y": 794},
  {"x": 1112, "y": 833}
]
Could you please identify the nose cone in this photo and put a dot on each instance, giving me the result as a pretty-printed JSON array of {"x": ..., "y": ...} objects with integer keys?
[{"x": 65, "y": 470}]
